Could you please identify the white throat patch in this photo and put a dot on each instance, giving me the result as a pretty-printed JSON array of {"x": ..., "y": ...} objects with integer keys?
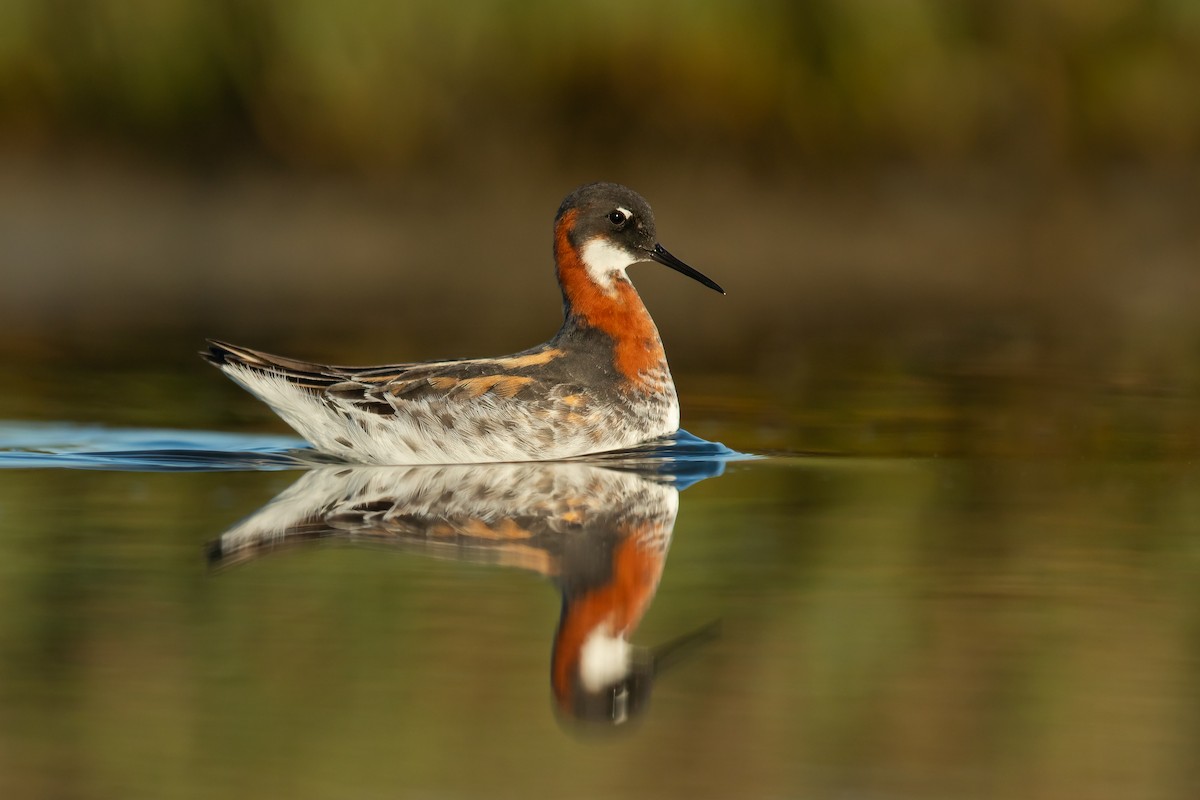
[
  {"x": 603, "y": 660},
  {"x": 603, "y": 259}
]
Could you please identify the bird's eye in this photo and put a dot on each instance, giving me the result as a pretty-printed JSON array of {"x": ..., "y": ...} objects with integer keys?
[{"x": 617, "y": 218}]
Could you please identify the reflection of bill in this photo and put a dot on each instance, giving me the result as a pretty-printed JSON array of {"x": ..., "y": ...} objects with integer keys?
[{"x": 600, "y": 534}]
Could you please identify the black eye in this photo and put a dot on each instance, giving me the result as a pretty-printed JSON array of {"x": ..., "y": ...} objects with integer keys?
[{"x": 617, "y": 218}]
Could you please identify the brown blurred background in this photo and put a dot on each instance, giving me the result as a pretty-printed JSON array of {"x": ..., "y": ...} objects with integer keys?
[
  {"x": 1005, "y": 189},
  {"x": 947, "y": 228}
]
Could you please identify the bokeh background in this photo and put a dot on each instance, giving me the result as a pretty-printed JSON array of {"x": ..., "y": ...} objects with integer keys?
[
  {"x": 961, "y": 240},
  {"x": 929, "y": 189}
]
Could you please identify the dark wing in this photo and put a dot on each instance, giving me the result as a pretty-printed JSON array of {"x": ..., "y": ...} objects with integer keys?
[
  {"x": 302, "y": 373},
  {"x": 379, "y": 389}
]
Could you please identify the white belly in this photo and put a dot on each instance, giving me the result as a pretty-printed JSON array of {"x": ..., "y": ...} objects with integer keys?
[{"x": 485, "y": 429}]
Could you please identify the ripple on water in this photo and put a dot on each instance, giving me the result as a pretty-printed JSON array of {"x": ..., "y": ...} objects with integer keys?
[{"x": 65, "y": 445}]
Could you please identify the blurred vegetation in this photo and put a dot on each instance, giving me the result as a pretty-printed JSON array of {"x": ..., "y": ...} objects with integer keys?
[
  {"x": 381, "y": 84},
  {"x": 920, "y": 209}
]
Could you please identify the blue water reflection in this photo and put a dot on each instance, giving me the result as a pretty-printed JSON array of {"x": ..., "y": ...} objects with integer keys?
[{"x": 64, "y": 445}]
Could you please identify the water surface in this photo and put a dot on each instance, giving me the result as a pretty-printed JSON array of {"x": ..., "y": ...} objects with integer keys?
[{"x": 196, "y": 614}]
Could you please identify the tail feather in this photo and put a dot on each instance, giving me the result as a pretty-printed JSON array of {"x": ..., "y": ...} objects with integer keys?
[
  {"x": 221, "y": 353},
  {"x": 302, "y": 373}
]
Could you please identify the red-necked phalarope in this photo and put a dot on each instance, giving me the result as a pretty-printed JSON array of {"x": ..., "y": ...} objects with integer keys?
[
  {"x": 600, "y": 535},
  {"x": 601, "y": 383}
]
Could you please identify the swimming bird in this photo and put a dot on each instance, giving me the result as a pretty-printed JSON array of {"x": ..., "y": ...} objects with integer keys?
[
  {"x": 601, "y": 383},
  {"x": 601, "y": 535}
]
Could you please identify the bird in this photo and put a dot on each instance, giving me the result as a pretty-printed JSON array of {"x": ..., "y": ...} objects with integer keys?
[
  {"x": 600, "y": 384},
  {"x": 601, "y": 535}
]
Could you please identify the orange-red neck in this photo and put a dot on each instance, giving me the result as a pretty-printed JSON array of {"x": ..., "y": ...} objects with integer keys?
[
  {"x": 618, "y": 605},
  {"x": 616, "y": 310}
]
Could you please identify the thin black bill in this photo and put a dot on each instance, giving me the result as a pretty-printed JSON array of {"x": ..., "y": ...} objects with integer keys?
[{"x": 660, "y": 254}]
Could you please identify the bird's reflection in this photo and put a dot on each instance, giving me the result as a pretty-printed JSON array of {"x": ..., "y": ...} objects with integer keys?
[{"x": 600, "y": 534}]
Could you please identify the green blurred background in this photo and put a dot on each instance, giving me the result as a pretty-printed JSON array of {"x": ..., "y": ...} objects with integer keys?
[
  {"x": 956, "y": 191},
  {"x": 947, "y": 228}
]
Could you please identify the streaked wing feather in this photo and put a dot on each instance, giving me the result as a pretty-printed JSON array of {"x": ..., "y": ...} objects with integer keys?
[{"x": 384, "y": 389}]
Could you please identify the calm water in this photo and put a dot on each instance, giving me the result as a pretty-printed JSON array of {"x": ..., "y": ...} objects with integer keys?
[{"x": 191, "y": 614}]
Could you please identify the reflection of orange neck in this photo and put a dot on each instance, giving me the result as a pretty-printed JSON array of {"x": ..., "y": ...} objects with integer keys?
[
  {"x": 621, "y": 314},
  {"x": 617, "y": 606}
]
